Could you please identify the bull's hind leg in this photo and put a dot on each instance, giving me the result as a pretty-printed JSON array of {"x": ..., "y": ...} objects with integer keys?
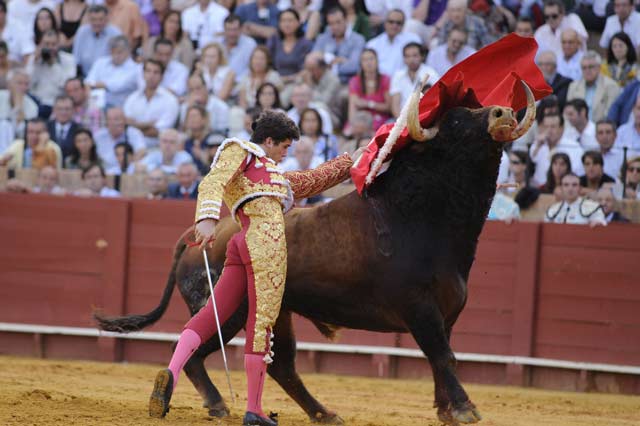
[
  {"x": 283, "y": 371},
  {"x": 427, "y": 327}
]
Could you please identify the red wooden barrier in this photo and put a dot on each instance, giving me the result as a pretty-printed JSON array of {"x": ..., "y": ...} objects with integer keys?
[{"x": 563, "y": 292}]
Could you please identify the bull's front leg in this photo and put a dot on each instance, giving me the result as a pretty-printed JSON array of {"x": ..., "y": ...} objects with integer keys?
[{"x": 283, "y": 371}]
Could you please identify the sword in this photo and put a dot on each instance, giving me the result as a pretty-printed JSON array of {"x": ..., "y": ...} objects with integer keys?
[{"x": 215, "y": 313}]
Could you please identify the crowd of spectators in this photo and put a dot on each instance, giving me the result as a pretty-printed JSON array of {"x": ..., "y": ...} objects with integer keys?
[{"x": 152, "y": 87}]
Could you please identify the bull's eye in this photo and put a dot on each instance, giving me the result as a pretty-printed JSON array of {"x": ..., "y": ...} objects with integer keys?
[{"x": 497, "y": 113}]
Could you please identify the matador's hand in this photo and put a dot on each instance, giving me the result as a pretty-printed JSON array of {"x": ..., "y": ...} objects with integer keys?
[{"x": 205, "y": 233}]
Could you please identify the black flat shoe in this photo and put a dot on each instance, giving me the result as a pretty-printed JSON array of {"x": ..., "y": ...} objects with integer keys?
[
  {"x": 253, "y": 419},
  {"x": 161, "y": 395}
]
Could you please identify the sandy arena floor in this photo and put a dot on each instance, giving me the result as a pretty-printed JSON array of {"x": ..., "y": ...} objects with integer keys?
[{"x": 44, "y": 392}]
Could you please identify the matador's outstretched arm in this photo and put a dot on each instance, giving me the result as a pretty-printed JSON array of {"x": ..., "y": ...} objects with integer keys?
[{"x": 308, "y": 183}]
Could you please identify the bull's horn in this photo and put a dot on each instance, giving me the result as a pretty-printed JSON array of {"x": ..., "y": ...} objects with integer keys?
[
  {"x": 416, "y": 131},
  {"x": 529, "y": 116}
]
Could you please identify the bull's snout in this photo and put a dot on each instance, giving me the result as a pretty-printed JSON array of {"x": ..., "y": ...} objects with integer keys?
[{"x": 502, "y": 123}]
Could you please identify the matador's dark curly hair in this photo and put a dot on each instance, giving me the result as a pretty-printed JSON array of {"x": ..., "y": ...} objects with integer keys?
[{"x": 274, "y": 124}]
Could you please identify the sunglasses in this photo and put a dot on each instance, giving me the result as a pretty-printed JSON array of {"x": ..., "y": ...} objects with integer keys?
[
  {"x": 392, "y": 22},
  {"x": 634, "y": 169},
  {"x": 552, "y": 16},
  {"x": 589, "y": 67}
]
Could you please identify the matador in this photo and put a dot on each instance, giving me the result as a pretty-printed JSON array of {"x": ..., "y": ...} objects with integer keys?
[{"x": 245, "y": 175}]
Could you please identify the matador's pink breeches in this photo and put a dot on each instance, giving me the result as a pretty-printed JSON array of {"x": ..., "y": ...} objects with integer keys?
[{"x": 255, "y": 266}]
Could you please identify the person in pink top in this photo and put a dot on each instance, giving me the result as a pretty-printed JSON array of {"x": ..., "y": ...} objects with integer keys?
[{"x": 369, "y": 90}]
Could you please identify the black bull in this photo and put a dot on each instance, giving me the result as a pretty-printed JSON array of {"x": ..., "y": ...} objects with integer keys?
[{"x": 395, "y": 260}]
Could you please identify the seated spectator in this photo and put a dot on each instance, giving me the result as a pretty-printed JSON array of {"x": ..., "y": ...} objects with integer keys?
[
  {"x": 621, "y": 63},
  {"x": 626, "y": 20},
  {"x": 369, "y": 90},
  {"x": 169, "y": 156},
  {"x": 197, "y": 130},
  {"x": 596, "y": 89},
  {"x": 574, "y": 209},
  {"x": 629, "y": 133},
  {"x": 459, "y": 18},
  {"x": 92, "y": 40},
  {"x": 16, "y": 105},
  {"x": 503, "y": 208},
  {"x": 23, "y": 12},
  {"x": 310, "y": 17},
  {"x": 70, "y": 14},
  {"x": 520, "y": 172},
  {"x": 609, "y": 206},
  {"x": 217, "y": 75},
  {"x": 621, "y": 109},
  {"x": 50, "y": 68},
  {"x": 44, "y": 21},
  {"x": 35, "y": 151},
  {"x": 197, "y": 94},
  {"x": 157, "y": 185},
  {"x": 5, "y": 65},
  {"x": 153, "y": 108},
  {"x": 547, "y": 63},
  {"x": 594, "y": 176},
  {"x": 593, "y": 14},
  {"x": 288, "y": 46},
  {"x": 172, "y": 30},
  {"x": 175, "y": 74},
  {"x": 95, "y": 183},
  {"x": 579, "y": 128},
  {"x": 125, "y": 15},
  {"x": 390, "y": 44},
  {"x": 301, "y": 100},
  {"x": 84, "y": 152},
  {"x": 606, "y": 137},
  {"x": 125, "y": 161},
  {"x": 310, "y": 125},
  {"x": 303, "y": 159},
  {"x": 524, "y": 27},
  {"x": 203, "y": 21},
  {"x": 117, "y": 132},
  {"x": 341, "y": 48},
  {"x": 61, "y": 126},
  {"x": 357, "y": 17},
  {"x": 117, "y": 73},
  {"x": 361, "y": 128},
  {"x": 447, "y": 55},
  {"x": 570, "y": 55},
  {"x": 153, "y": 20},
  {"x": 548, "y": 141},
  {"x": 47, "y": 183},
  {"x": 87, "y": 111},
  {"x": 260, "y": 71},
  {"x": 324, "y": 84},
  {"x": 549, "y": 35},
  {"x": 496, "y": 16},
  {"x": 238, "y": 47},
  {"x": 560, "y": 166},
  {"x": 405, "y": 79},
  {"x": 631, "y": 175},
  {"x": 268, "y": 97},
  {"x": 186, "y": 188},
  {"x": 16, "y": 36},
  {"x": 259, "y": 19},
  {"x": 250, "y": 115}
]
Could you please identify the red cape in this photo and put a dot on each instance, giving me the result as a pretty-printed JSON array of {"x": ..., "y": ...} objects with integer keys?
[{"x": 491, "y": 76}]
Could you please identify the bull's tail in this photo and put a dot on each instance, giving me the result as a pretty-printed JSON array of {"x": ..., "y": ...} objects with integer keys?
[{"x": 129, "y": 323}]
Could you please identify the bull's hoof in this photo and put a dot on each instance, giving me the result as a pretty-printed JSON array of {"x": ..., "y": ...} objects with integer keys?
[
  {"x": 219, "y": 410},
  {"x": 466, "y": 413},
  {"x": 328, "y": 418}
]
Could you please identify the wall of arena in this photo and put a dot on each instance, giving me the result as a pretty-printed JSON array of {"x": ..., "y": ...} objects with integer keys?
[{"x": 536, "y": 290}]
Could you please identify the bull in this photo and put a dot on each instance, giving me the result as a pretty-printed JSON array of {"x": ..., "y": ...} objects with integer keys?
[{"x": 396, "y": 259}]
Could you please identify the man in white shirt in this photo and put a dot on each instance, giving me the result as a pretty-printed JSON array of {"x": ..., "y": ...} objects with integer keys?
[
  {"x": 175, "y": 73},
  {"x": 169, "y": 156},
  {"x": 117, "y": 132},
  {"x": 573, "y": 209},
  {"x": 238, "y": 47},
  {"x": 117, "y": 73},
  {"x": 548, "y": 35},
  {"x": 50, "y": 68},
  {"x": 447, "y": 55},
  {"x": 626, "y": 19},
  {"x": 580, "y": 128},
  {"x": 17, "y": 37},
  {"x": 390, "y": 43},
  {"x": 153, "y": 108},
  {"x": 629, "y": 133},
  {"x": 95, "y": 182},
  {"x": 405, "y": 79},
  {"x": 612, "y": 157},
  {"x": 92, "y": 40},
  {"x": 547, "y": 142},
  {"x": 203, "y": 20},
  {"x": 569, "y": 58}
]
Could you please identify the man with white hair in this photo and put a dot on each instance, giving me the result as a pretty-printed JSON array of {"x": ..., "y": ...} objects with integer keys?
[
  {"x": 304, "y": 157},
  {"x": 443, "y": 57},
  {"x": 547, "y": 62},
  {"x": 598, "y": 91},
  {"x": 16, "y": 105},
  {"x": 301, "y": 99},
  {"x": 608, "y": 204},
  {"x": 458, "y": 18},
  {"x": 569, "y": 59},
  {"x": 169, "y": 156}
]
